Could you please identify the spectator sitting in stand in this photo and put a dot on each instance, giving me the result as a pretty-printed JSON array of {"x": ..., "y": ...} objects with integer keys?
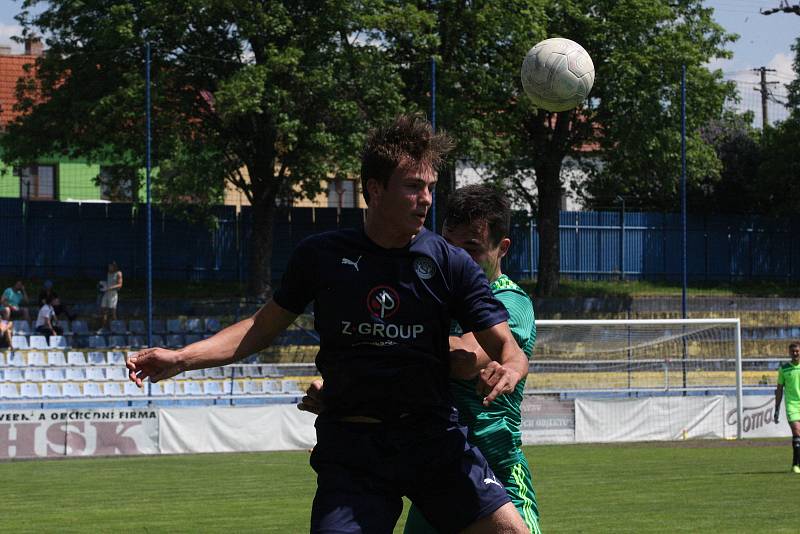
[
  {"x": 60, "y": 309},
  {"x": 46, "y": 322},
  {"x": 12, "y": 300},
  {"x": 6, "y": 327}
]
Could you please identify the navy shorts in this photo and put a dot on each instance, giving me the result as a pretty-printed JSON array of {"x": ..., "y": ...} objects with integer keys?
[{"x": 364, "y": 470}]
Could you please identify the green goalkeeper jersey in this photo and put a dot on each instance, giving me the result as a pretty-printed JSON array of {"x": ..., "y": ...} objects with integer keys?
[
  {"x": 789, "y": 378},
  {"x": 495, "y": 430}
]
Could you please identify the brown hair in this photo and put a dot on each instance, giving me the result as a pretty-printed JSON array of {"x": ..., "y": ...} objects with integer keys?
[
  {"x": 480, "y": 202},
  {"x": 410, "y": 137},
  {"x": 794, "y": 346}
]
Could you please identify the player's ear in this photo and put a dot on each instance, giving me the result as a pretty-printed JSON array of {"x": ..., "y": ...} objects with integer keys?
[
  {"x": 505, "y": 244},
  {"x": 374, "y": 189}
]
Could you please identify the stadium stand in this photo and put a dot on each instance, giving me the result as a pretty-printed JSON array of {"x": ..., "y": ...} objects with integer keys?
[
  {"x": 84, "y": 365},
  {"x": 22, "y": 327}
]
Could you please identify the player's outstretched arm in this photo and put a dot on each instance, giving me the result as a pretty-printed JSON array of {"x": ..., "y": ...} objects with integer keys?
[
  {"x": 509, "y": 363},
  {"x": 229, "y": 345}
]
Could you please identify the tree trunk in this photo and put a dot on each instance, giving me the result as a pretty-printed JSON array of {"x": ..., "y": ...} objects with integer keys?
[
  {"x": 260, "y": 282},
  {"x": 548, "y": 183}
]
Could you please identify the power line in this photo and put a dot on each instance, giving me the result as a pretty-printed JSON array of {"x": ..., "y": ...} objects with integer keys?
[{"x": 784, "y": 7}]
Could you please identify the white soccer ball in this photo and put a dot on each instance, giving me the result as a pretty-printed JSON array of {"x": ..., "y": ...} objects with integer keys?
[{"x": 557, "y": 74}]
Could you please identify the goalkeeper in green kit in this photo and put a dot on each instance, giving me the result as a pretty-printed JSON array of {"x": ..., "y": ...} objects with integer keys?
[
  {"x": 788, "y": 388},
  {"x": 478, "y": 219}
]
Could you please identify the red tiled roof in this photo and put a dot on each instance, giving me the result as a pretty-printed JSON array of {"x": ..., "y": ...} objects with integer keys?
[{"x": 11, "y": 69}]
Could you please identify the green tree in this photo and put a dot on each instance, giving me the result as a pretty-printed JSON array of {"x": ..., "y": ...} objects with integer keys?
[
  {"x": 272, "y": 97},
  {"x": 632, "y": 119}
]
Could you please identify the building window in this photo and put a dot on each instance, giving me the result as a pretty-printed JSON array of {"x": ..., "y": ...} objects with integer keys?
[
  {"x": 342, "y": 194},
  {"x": 37, "y": 182}
]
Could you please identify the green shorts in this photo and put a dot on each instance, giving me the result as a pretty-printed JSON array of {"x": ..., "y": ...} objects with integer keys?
[
  {"x": 518, "y": 482},
  {"x": 792, "y": 411}
]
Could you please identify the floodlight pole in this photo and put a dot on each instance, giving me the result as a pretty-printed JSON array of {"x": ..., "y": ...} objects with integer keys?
[
  {"x": 433, "y": 124},
  {"x": 149, "y": 250},
  {"x": 684, "y": 237}
]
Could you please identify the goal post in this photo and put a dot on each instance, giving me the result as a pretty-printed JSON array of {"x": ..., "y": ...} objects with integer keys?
[{"x": 619, "y": 358}]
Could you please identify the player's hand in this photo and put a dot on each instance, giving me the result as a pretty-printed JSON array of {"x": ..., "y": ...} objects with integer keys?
[
  {"x": 154, "y": 363},
  {"x": 777, "y": 415},
  {"x": 496, "y": 380},
  {"x": 312, "y": 400}
]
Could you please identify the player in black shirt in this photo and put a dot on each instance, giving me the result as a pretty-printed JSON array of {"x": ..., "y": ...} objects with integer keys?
[{"x": 384, "y": 297}]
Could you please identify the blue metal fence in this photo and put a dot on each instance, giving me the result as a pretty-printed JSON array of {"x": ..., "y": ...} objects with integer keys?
[{"x": 61, "y": 239}]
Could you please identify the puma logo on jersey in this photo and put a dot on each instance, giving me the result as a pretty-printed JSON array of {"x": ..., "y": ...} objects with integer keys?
[
  {"x": 488, "y": 481},
  {"x": 347, "y": 261}
]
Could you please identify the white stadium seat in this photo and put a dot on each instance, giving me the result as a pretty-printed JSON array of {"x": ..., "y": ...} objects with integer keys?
[
  {"x": 51, "y": 390},
  {"x": 77, "y": 374},
  {"x": 290, "y": 387},
  {"x": 9, "y": 391},
  {"x": 38, "y": 342},
  {"x": 36, "y": 358},
  {"x": 13, "y": 375},
  {"x": 34, "y": 375},
  {"x": 58, "y": 342},
  {"x": 214, "y": 372},
  {"x": 72, "y": 389},
  {"x": 56, "y": 357},
  {"x": 162, "y": 389},
  {"x": 112, "y": 389},
  {"x": 96, "y": 374},
  {"x": 76, "y": 358},
  {"x": 271, "y": 386},
  {"x": 116, "y": 357},
  {"x": 16, "y": 359},
  {"x": 253, "y": 387},
  {"x": 192, "y": 388},
  {"x": 55, "y": 375},
  {"x": 212, "y": 388},
  {"x": 132, "y": 390},
  {"x": 30, "y": 391},
  {"x": 19, "y": 342},
  {"x": 92, "y": 390},
  {"x": 116, "y": 373},
  {"x": 97, "y": 358}
]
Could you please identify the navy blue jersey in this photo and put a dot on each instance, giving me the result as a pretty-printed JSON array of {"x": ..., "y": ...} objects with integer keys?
[{"x": 383, "y": 316}]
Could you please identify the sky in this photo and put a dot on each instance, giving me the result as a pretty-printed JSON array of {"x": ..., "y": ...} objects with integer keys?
[{"x": 764, "y": 41}]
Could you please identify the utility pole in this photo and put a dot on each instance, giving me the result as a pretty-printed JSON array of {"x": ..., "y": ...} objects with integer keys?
[
  {"x": 765, "y": 94},
  {"x": 784, "y": 7}
]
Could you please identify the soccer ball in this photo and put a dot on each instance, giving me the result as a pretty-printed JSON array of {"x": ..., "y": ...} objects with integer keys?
[{"x": 557, "y": 74}]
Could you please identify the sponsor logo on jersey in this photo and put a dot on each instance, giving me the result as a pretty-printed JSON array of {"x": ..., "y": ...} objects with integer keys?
[
  {"x": 348, "y": 261},
  {"x": 383, "y": 302},
  {"x": 424, "y": 267},
  {"x": 386, "y": 331},
  {"x": 487, "y": 481}
]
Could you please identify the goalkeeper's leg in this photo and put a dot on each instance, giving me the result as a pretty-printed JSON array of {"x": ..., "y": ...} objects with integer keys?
[{"x": 794, "y": 424}]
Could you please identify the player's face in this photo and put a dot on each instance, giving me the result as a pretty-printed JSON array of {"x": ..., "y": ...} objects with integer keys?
[
  {"x": 474, "y": 238},
  {"x": 794, "y": 352},
  {"x": 408, "y": 195}
]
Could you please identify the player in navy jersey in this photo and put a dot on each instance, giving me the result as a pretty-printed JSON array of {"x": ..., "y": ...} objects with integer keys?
[{"x": 384, "y": 297}]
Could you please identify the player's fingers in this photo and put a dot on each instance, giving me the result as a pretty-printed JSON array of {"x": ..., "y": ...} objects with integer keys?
[{"x": 500, "y": 388}]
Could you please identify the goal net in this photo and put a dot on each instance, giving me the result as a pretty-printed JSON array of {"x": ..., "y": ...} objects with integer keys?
[{"x": 620, "y": 359}]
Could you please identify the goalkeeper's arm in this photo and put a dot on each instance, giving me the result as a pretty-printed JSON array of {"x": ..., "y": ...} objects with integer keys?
[{"x": 778, "y": 398}]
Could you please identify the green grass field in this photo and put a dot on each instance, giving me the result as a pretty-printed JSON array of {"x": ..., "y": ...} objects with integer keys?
[{"x": 667, "y": 487}]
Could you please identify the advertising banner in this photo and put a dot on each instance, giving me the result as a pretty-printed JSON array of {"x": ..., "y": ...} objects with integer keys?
[
  {"x": 78, "y": 432},
  {"x": 547, "y": 420},
  {"x": 649, "y": 419},
  {"x": 758, "y": 413},
  {"x": 223, "y": 429}
]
